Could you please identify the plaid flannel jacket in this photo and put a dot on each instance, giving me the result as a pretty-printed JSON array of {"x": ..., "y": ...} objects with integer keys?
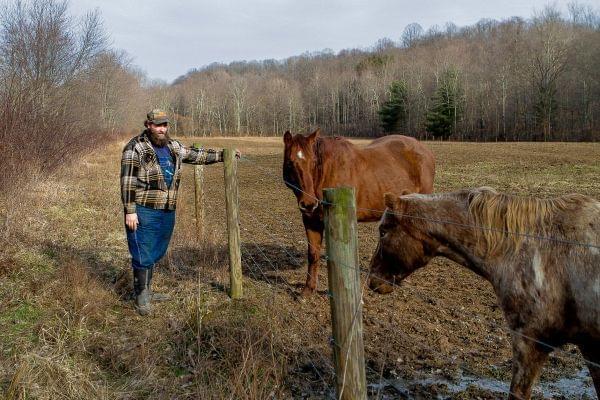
[{"x": 142, "y": 180}]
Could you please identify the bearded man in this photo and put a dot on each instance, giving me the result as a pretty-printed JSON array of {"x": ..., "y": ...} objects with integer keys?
[{"x": 150, "y": 175}]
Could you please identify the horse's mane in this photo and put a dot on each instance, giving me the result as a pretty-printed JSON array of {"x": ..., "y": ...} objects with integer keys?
[
  {"x": 328, "y": 146},
  {"x": 332, "y": 143},
  {"x": 505, "y": 221}
]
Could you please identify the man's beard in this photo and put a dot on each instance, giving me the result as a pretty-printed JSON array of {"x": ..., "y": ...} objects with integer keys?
[{"x": 157, "y": 141}]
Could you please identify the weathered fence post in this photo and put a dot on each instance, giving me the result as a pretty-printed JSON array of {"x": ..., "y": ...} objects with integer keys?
[
  {"x": 199, "y": 198},
  {"x": 233, "y": 227},
  {"x": 345, "y": 290}
]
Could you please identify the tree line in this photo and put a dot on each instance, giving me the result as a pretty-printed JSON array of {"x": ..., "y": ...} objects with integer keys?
[{"x": 515, "y": 79}]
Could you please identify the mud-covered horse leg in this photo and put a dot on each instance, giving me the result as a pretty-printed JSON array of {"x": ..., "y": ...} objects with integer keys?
[
  {"x": 592, "y": 355},
  {"x": 314, "y": 233},
  {"x": 528, "y": 358}
]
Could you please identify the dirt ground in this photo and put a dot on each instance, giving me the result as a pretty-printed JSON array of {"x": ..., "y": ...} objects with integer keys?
[
  {"x": 439, "y": 335},
  {"x": 444, "y": 321}
]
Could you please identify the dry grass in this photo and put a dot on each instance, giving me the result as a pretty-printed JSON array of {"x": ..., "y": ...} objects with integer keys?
[{"x": 69, "y": 331}]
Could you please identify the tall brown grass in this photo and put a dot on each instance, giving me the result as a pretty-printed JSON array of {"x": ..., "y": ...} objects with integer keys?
[{"x": 85, "y": 340}]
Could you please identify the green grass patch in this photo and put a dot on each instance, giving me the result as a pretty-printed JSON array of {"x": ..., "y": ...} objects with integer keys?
[
  {"x": 17, "y": 324},
  {"x": 36, "y": 262}
]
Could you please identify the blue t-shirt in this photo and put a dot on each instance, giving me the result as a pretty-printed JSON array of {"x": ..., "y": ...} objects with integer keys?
[{"x": 166, "y": 163}]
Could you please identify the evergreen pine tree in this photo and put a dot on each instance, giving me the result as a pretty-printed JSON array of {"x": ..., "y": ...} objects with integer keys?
[
  {"x": 446, "y": 107},
  {"x": 392, "y": 113}
]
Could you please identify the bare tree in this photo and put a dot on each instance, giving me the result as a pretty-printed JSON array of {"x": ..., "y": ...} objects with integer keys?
[
  {"x": 520, "y": 78},
  {"x": 411, "y": 34}
]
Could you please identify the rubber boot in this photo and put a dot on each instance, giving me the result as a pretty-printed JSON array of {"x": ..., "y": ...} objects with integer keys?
[
  {"x": 157, "y": 297},
  {"x": 141, "y": 279}
]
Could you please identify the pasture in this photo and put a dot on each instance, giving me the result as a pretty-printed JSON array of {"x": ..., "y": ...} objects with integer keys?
[{"x": 68, "y": 332}]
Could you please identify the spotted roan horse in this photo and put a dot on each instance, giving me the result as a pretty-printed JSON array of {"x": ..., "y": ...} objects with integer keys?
[
  {"x": 389, "y": 164},
  {"x": 542, "y": 257}
]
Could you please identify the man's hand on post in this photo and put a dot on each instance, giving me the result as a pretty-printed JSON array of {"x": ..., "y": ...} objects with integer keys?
[{"x": 131, "y": 221}]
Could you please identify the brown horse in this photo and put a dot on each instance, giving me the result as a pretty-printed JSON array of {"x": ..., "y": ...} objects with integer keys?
[
  {"x": 388, "y": 164},
  {"x": 549, "y": 290}
]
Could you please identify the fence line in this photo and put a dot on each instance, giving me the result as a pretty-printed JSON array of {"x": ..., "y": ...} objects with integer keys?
[
  {"x": 462, "y": 364},
  {"x": 421, "y": 293},
  {"x": 315, "y": 368},
  {"x": 395, "y": 285},
  {"x": 323, "y": 359},
  {"x": 332, "y": 342},
  {"x": 423, "y": 346},
  {"x": 537, "y": 237}
]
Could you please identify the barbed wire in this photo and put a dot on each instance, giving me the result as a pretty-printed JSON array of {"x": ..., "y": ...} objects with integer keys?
[
  {"x": 332, "y": 341},
  {"x": 315, "y": 368},
  {"x": 393, "y": 284},
  {"x": 388, "y": 382},
  {"x": 266, "y": 278},
  {"x": 354, "y": 320},
  {"x": 538, "y": 237},
  {"x": 424, "y": 346}
]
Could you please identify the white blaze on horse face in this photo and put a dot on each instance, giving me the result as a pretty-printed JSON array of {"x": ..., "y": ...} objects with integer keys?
[
  {"x": 300, "y": 155},
  {"x": 538, "y": 269}
]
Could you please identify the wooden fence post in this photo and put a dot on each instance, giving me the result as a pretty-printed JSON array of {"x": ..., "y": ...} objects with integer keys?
[
  {"x": 199, "y": 198},
  {"x": 345, "y": 291},
  {"x": 233, "y": 226}
]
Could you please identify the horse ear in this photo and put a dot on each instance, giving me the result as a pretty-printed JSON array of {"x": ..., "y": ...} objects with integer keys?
[
  {"x": 314, "y": 135},
  {"x": 390, "y": 200},
  {"x": 287, "y": 136},
  {"x": 394, "y": 203}
]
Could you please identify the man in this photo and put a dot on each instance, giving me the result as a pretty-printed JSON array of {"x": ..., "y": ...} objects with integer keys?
[{"x": 150, "y": 174}]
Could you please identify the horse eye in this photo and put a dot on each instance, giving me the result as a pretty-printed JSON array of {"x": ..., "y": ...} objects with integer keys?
[{"x": 289, "y": 168}]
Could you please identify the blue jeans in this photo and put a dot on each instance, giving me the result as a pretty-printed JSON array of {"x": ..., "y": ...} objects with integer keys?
[{"x": 148, "y": 244}]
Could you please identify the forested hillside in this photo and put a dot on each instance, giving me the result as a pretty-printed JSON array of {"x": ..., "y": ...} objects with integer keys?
[{"x": 518, "y": 79}]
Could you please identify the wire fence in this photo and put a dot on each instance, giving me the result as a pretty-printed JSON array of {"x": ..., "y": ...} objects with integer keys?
[
  {"x": 253, "y": 266},
  {"x": 384, "y": 381},
  {"x": 454, "y": 223}
]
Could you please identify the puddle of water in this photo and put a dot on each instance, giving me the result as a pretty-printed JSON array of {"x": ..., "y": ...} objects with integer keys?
[{"x": 579, "y": 386}]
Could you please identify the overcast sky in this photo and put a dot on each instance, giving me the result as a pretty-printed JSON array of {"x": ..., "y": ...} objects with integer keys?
[{"x": 168, "y": 38}]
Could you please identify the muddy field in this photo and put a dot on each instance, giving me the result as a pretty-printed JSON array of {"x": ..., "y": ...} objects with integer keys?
[{"x": 439, "y": 335}]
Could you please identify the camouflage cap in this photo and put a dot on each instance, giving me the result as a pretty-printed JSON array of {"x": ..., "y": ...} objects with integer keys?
[{"x": 157, "y": 117}]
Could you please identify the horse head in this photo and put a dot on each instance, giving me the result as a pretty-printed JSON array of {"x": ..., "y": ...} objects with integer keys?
[
  {"x": 300, "y": 163},
  {"x": 402, "y": 247}
]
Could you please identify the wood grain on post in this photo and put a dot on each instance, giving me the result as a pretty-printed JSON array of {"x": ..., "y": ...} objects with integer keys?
[
  {"x": 233, "y": 226},
  {"x": 345, "y": 291},
  {"x": 199, "y": 198}
]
